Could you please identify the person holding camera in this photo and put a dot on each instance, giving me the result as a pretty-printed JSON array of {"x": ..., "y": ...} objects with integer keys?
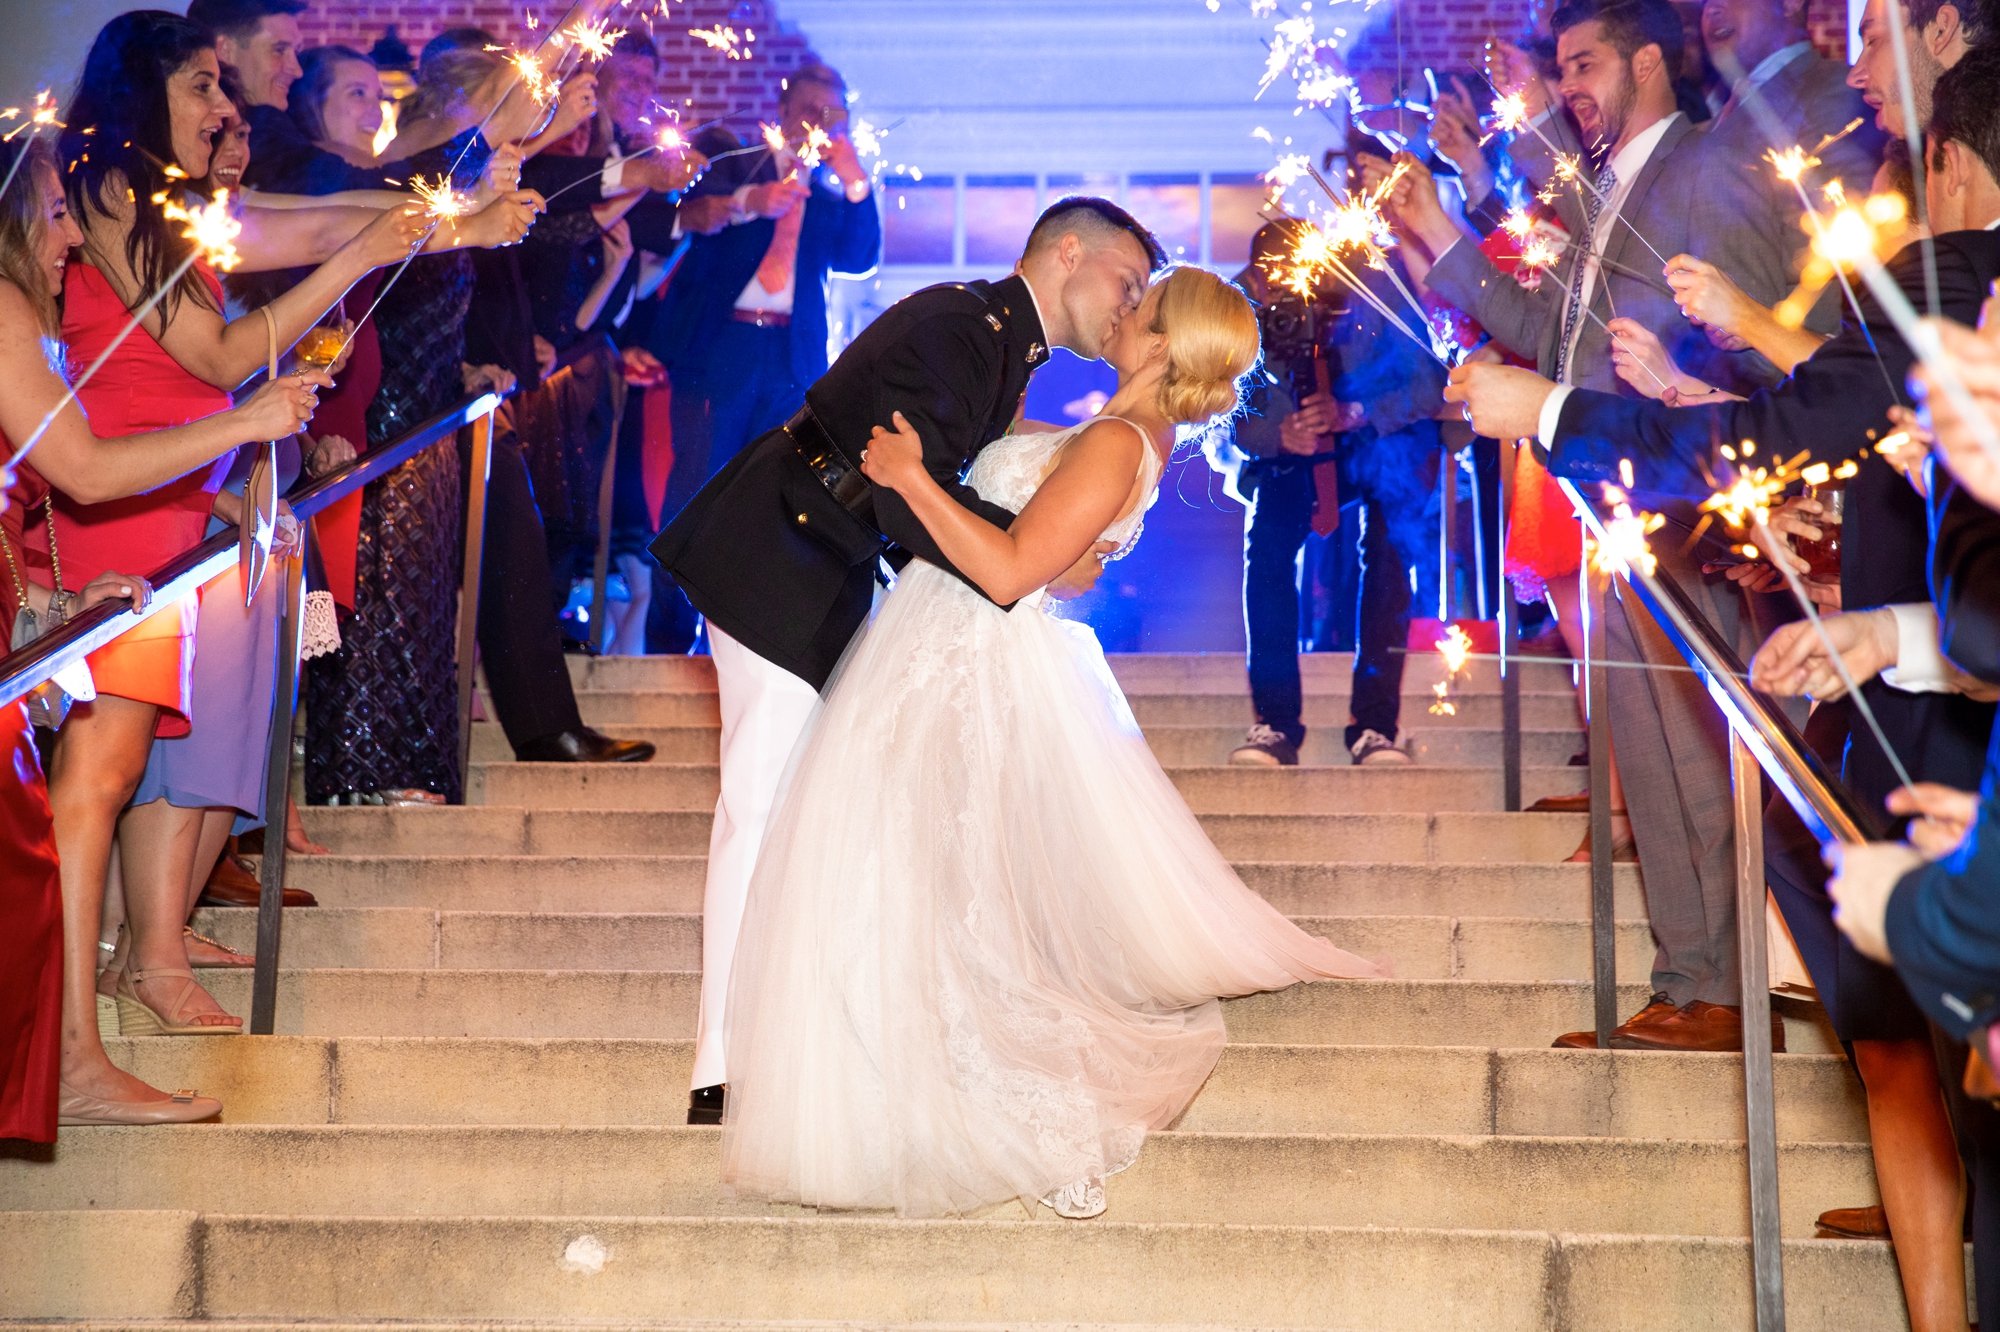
[{"x": 1344, "y": 411}]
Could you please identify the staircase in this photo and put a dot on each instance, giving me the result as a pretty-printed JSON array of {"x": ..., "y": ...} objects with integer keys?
[{"x": 474, "y": 1110}]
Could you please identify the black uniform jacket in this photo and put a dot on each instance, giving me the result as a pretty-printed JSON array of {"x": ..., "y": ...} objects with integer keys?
[{"x": 767, "y": 554}]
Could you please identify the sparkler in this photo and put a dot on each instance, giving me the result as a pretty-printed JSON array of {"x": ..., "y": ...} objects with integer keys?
[
  {"x": 214, "y": 233},
  {"x": 1625, "y": 546},
  {"x": 38, "y": 117},
  {"x": 725, "y": 40},
  {"x": 1454, "y": 648},
  {"x": 594, "y": 38}
]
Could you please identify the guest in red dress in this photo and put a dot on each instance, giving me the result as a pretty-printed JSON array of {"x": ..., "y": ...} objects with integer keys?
[{"x": 36, "y": 234}]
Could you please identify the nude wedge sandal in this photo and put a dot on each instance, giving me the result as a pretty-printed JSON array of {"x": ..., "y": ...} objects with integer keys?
[{"x": 137, "y": 1018}]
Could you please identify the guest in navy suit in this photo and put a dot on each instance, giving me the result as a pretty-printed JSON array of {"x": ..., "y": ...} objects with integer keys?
[{"x": 742, "y": 326}]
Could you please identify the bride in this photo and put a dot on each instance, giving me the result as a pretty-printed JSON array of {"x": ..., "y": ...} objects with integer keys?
[{"x": 985, "y": 937}]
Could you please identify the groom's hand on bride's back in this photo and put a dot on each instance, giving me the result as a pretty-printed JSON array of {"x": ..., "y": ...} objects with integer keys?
[{"x": 1082, "y": 576}]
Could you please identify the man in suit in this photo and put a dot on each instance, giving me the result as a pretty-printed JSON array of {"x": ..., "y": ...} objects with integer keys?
[
  {"x": 1656, "y": 194},
  {"x": 742, "y": 326},
  {"x": 1936, "y": 35},
  {"x": 780, "y": 550}
]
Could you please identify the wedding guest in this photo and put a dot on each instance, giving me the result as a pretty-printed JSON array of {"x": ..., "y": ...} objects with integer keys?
[
  {"x": 1658, "y": 191},
  {"x": 742, "y": 328},
  {"x": 49, "y": 1048}
]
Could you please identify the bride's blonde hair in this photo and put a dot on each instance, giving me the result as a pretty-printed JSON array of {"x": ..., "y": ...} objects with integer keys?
[{"x": 1212, "y": 343}]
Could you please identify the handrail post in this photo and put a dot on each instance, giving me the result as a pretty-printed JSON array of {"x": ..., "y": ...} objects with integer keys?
[
  {"x": 607, "y": 490},
  {"x": 1603, "y": 914},
  {"x": 1507, "y": 621},
  {"x": 1759, "y": 1095},
  {"x": 291, "y": 583},
  {"x": 1447, "y": 525},
  {"x": 468, "y": 596}
]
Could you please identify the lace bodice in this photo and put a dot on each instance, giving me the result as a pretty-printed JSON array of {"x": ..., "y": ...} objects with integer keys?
[{"x": 1010, "y": 470}]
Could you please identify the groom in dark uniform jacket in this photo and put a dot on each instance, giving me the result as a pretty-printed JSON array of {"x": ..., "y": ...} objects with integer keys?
[{"x": 780, "y": 549}]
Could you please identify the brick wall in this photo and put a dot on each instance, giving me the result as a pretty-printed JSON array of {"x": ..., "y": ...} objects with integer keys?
[
  {"x": 703, "y": 82},
  {"x": 1446, "y": 34}
]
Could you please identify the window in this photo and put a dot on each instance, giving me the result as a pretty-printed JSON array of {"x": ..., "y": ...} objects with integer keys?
[
  {"x": 1235, "y": 211},
  {"x": 1170, "y": 206},
  {"x": 999, "y": 210},
  {"x": 917, "y": 220}
]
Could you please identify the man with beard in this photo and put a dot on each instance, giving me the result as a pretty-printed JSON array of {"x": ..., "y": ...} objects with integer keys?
[{"x": 1656, "y": 193}]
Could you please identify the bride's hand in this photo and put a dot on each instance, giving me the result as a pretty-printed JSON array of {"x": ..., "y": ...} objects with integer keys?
[{"x": 894, "y": 460}]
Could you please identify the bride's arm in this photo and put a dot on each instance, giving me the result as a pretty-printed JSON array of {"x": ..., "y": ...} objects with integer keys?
[{"x": 1090, "y": 486}]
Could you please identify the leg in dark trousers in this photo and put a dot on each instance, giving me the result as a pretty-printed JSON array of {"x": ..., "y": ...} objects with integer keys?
[
  {"x": 520, "y": 639},
  {"x": 1382, "y": 629},
  {"x": 1280, "y": 515}
]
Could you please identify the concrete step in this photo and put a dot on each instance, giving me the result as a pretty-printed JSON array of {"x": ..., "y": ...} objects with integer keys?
[
  {"x": 1420, "y": 947},
  {"x": 1606, "y": 1185},
  {"x": 639, "y": 1271},
  {"x": 1230, "y": 709},
  {"x": 662, "y": 1004},
  {"x": 1137, "y": 673},
  {"x": 1171, "y": 745},
  {"x": 1207, "y": 790},
  {"x": 479, "y": 832},
  {"x": 674, "y": 884},
  {"x": 1255, "y": 1089}
]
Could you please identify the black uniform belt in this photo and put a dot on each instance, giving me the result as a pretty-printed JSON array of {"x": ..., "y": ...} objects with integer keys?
[{"x": 842, "y": 479}]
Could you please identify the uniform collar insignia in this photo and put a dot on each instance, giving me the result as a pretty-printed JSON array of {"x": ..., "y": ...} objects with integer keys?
[
  {"x": 1036, "y": 351},
  {"x": 991, "y": 319}
]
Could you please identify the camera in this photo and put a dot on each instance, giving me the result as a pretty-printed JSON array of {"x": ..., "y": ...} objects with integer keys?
[{"x": 1299, "y": 359}]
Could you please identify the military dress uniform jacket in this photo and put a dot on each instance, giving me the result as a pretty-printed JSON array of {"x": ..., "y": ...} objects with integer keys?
[{"x": 765, "y": 550}]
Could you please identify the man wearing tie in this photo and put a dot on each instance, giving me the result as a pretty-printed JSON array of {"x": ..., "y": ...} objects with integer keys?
[
  {"x": 742, "y": 326},
  {"x": 1653, "y": 193}
]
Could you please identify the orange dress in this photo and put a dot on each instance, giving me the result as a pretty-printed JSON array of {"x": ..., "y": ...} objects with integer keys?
[
  {"x": 30, "y": 891},
  {"x": 139, "y": 388}
]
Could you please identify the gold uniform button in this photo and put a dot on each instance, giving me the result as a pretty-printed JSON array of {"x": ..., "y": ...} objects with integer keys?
[{"x": 802, "y": 517}]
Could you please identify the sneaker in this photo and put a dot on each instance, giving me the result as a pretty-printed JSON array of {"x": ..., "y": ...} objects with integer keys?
[
  {"x": 1375, "y": 748},
  {"x": 1265, "y": 747}
]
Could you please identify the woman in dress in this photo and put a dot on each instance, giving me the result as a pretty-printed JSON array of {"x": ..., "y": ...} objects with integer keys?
[
  {"x": 53, "y": 1065},
  {"x": 142, "y": 122},
  {"x": 382, "y": 726},
  {"x": 986, "y": 938}
]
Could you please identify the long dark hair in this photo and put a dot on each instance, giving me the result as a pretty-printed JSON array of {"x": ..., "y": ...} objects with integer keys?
[
  {"x": 119, "y": 135},
  {"x": 307, "y": 100},
  {"x": 24, "y": 222}
]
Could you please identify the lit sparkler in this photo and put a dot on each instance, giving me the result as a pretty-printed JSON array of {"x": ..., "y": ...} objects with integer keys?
[
  {"x": 594, "y": 38},
  {"x": 1625, "y": 546},
  {"x": 726, "y": 40},
  {"x": 38, "y": 117},
  {"x": 534, "y": 78},
  {"x": 1454, "y": 648},
  {"x": 441, "y": 202}
]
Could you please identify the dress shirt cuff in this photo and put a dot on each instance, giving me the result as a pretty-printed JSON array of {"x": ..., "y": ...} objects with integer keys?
[
  {"x": 1920, "y": 666},
  {"x": 1447, "y": 250},
  {"x": 614, "y": 177},
  {"x": 1551, "y": 417}
]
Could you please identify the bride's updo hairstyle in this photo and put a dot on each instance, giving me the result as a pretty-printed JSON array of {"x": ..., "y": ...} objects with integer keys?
[{"x": 1212, "y": 343}]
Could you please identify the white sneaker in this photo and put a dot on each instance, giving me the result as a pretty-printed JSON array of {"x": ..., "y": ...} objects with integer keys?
[
  {"x": 1375, "y": 749},
  {"x": 1265, "y": 747},
  {"x": 1079, "y": 1201}
]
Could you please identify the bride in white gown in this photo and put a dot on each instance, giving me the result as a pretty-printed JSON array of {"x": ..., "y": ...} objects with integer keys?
[{"x": 985, "y": 938}]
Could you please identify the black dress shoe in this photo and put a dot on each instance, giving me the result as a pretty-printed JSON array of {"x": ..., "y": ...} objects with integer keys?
[
  {"x": 584, "y": 746},
  {"x": 705, "y": 1104}
]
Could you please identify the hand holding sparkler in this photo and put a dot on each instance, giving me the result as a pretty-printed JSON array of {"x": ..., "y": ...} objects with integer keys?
[
  {"x": 1974, "y": 358},
  {"x": 1946, "y": 816},
  {"x": 776, "y": 198},
  {"x": 1639, "y": 359},
  {"x": 1408, "y": 194},
  {"x": 1516, "y": 75},
  {"x": 1864, "y": 876},
  {"x": 1796, "y": 662},
  {"x": 1500, "y": 401},
  {"x": 282, "y": 407},
  {"x": 1906, "y": 447}
]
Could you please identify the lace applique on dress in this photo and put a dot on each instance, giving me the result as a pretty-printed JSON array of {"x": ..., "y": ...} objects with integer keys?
[{"x": 1009, "y": 471}]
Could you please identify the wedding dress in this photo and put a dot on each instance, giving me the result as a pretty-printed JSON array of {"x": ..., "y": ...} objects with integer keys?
[{"x": 985, "y": 937}]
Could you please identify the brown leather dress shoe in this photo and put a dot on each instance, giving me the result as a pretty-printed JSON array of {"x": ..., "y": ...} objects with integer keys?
[
  {"x": 1699, "y": 1026},
  {"x": 1658, "y": 1007},
  {"x": 1562, "y": 804},
  {"x": 1853, "y": 1223},
  {"x": 232, "y": 884}
]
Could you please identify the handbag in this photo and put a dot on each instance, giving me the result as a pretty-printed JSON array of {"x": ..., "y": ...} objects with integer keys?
[{"x": 49, "y": 702}]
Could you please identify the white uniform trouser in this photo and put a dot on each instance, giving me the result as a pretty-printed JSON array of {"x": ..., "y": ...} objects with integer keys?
[{"x": 764, "y": 711}]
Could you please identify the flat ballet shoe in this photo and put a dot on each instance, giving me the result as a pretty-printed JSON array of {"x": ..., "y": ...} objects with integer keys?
[{"x": 76, "y": 1110}]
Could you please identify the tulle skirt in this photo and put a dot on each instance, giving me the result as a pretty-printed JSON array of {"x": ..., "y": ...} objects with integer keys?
[{"x": 985, "y": 938}]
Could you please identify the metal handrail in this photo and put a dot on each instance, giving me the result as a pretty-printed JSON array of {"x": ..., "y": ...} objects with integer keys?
[
  {"x": 78, "y": 637},
  {"x": 1762, "y": 741}
]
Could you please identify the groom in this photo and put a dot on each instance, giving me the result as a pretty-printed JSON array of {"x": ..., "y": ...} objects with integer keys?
[{"x": 780, "y": 550}]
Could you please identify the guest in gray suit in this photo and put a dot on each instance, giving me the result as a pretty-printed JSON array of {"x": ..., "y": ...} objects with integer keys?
[{"x": 1658, "y": 193}]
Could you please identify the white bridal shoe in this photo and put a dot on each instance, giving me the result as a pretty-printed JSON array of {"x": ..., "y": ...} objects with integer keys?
[{"x": 1079, "y": 1201}]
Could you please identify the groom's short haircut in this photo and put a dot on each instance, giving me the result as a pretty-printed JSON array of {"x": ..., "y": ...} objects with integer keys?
[{"x": 1093, "y": 221}]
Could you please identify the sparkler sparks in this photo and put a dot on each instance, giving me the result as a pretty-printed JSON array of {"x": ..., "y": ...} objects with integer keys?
[
  {"x": 1454, "y": 648},
  {"x": 594, "y": 39},
  {"x": 440, "y": 200},
  {"x": 1791, "y": 164},
  {"x": 1625, "y": 546},
  {"x": 38, "y": 117},
  {"x": 726, "y": 40},
  {"x": 209, "y": 226},
  {"x": 534, "y": 78}
]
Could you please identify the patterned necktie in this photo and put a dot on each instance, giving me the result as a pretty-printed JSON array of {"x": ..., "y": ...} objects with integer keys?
[{"x": 1607, "y": 180}]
